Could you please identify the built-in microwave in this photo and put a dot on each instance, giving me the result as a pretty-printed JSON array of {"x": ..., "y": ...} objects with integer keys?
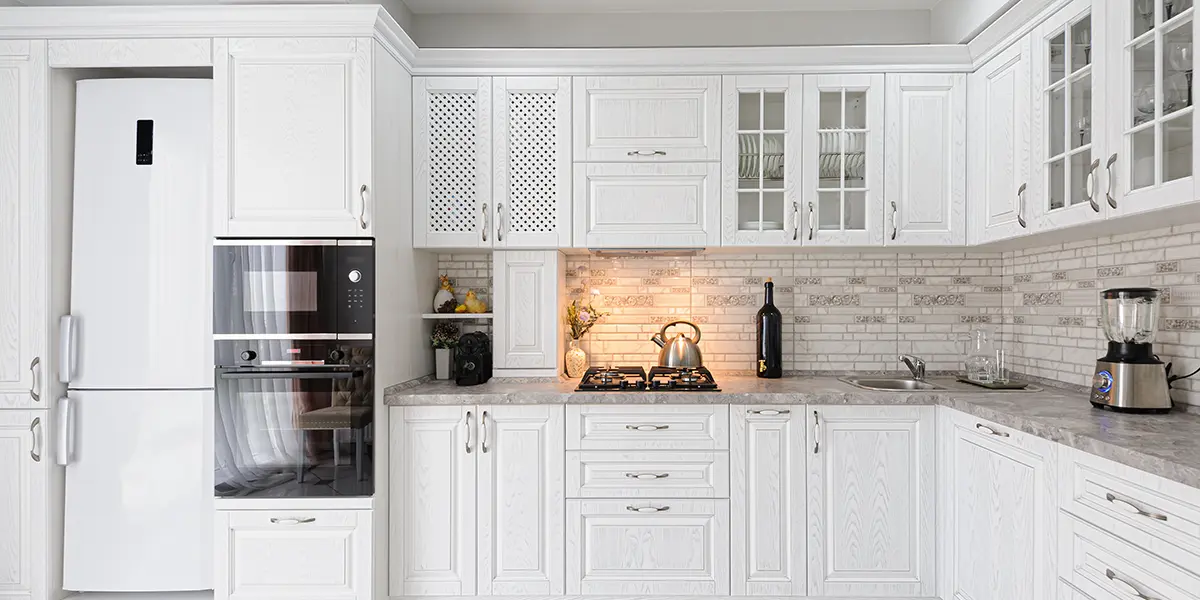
[{"x": 315, "y": 288}]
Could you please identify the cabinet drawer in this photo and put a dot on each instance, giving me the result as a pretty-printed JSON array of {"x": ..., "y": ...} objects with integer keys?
[
  {"x": 603, "y": 474},
  {"x": 1148, "y": 511},
  {"x": 662, "y": 427},
  {"x": 630, "y": 206},
  {"x": 1102, "y": 566},
  {"x": 652, "y": 546},
  {"x": 647, "y": 118},
  {"x": 322, "y": 554}
]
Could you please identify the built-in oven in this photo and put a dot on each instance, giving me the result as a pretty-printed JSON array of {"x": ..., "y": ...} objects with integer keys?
[
  {"x": 288, "y": 288},
  {"x": 294, "y": 418}
]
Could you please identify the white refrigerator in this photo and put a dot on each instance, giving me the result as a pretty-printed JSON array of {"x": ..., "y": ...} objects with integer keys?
[{"x": 136, "y": 424}]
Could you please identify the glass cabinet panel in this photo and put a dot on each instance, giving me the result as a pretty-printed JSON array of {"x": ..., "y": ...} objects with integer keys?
[
  {"x": 1067, "y": 96},
  {"x": 842, "y": 160},
  {"x": 763, "y": 146}
]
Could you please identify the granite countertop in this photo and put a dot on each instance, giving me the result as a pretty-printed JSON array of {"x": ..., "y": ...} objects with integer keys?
[{"x": 1164, "y": 445}]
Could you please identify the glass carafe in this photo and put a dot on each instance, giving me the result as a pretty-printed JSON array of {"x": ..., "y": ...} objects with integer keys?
[
  {"x": 1130, "y": 315},
  {"x": 980, "y": 352}
]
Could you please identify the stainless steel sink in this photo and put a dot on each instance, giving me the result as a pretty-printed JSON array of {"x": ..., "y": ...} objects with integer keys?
[{"x": 895, "y": 384}]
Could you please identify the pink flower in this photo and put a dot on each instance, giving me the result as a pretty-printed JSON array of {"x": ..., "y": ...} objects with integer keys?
[{"x": 584, "y": 316}]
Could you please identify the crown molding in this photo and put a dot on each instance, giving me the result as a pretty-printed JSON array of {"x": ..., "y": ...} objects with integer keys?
[{"x": 1010, "y": 27}]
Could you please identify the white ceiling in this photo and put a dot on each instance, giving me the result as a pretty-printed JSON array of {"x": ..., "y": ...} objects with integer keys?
[{"x": 656, "y": 6}]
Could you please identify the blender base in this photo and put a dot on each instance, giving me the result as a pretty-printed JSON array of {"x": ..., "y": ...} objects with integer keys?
[
  {"x": 1128, "y": 410},
  {"x": 1131, "y": 387}
]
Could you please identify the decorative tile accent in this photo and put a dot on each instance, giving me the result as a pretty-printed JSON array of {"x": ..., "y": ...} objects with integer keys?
[
  {"x": 1022, "y": 278},
  {"x": 576, "y": 291},
  {"x": 787, "y": 289},
  {"x": 598, "y": 272},
  {"x": 1164, "y": 295},
  {"x": 974, "y": 319},
  {"x": 856, "y": 281},
  {"x": 938, "y": 300},
  {"x": 912, "y": 281},
  {"x": 752, "y": 281},
  {"x": 1110, "y": 272},
  {"x": 628, "y": 301},
  {"x": 600, "y": 281},
  {"x": 706, "y": 281},
  {"x": 1086, "y": 284},
  {"x": 664, "y": 272},
  {"x": 960, "y": 281},
  {"x": 887, "y": 289},
  {"x": 729, "y": 300},
  {"x": 834, "y": 300},
  {"x": 808, "y": 281},
  {"x": 870, "y": 319},
  {"x": 651, "y": 281},
  {"x": 1167, "y": 267},
  {"x": 996, "y": 289},
  {"x": 1182, "y": 325},
  {"x": 681, "y": 290},
  {"x": 1018, "y": 320},
  {"x": 1041, "y": 299},
  {"x": 1058, "y": 276},
  {"x": 1071, "y": 321},
  {"x": 802, "y": 319},
  {"x": 907, "y": 319}
]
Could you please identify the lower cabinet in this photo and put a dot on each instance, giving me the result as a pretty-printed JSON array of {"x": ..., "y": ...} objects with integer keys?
[
  {"x": 317, "y": 554},
  {"x": 25, "y": 460}
]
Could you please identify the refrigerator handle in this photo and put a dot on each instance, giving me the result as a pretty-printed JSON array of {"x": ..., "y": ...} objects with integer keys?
[
  {"x": 65, "y": 436},
  {"x": 66, "y": 348}
]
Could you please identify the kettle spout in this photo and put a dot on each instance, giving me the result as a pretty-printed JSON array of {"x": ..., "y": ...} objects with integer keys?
[{"x": 658, "y": 339}]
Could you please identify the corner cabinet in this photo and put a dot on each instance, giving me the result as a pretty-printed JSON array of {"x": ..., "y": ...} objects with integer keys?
[
  {"x": 529, "y": 285},
  {"x": 292, "y": 119},
  {"x": 452, "y": 149}
]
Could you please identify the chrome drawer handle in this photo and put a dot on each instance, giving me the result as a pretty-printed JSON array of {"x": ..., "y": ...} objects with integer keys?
[
  {"x": 1021, "y": 206},
  {"x": 1131, "y": 589},
  {"x": 467, "y": 425},
  {"x": 362, "y": 212},
  {"x": 35, "y": 382},
  {"x": 646, "y": 153},
  {"x": 1137, "y": 509},
  {"x": 1109, "y": 194},
  {"x": 292, "y": 520},
  {"x": 647, "y": 427},
  {"x": 1091, "y": 185},
  {"x": 769, "y": 412},
  {"x": 647, "y": 509},
  {"x": 35, "y": 431},
  {"x": 989, "y": 430},
  {"x": 647, "y": 475}
]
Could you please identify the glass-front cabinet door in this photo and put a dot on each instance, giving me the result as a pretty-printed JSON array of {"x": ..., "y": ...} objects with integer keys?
[
  {"x": 759, "y": 172},
  {"x": 1070, "y": 115},
  {"x": 1153, "y": 160},
  {"x": 843, "y": 160}
]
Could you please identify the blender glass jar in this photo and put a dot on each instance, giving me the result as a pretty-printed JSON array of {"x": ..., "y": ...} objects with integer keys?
[{"x": 1130, "y": 315}]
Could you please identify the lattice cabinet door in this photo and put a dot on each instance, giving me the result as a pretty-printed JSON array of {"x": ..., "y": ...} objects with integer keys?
[
  {"x": 532, "y": 153},
  {"x": 453, "y": 151}
]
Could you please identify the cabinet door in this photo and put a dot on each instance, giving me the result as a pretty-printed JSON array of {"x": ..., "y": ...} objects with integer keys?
[
  {"x": 297, "y": 159},
  {"x": 999, "y": 511},
  {"x": 317, "y": 554},
  {"x": 24, "y": 464},
  {"x": 1152, "y": 159},
  {"x": 528, "y": 285},
  {"x": 1069, "y": 116},
  {"x": 521, "y": 518},
  {"x": 532, "y": 144},
  {"x": 453, "y": 152},
  {"x": 23, "y": 202},
  {"x": 999, "y": 154},
  {"x": 648, "y": 547},
  {"x": 663, "y": 119},
  {"x": 760, "y": 201},
  {"x": 843, "y": 160},
  {"x": 432, "y": 472},
  {"x": 925, "y": 185},
  {"x": 647, "y": 206},
  {"x": 766, "y": 447},
  {"x": 871, "y": 498}
]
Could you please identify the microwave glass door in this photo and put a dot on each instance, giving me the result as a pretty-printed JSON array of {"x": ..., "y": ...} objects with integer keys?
[{"x": 277, "y": 289}]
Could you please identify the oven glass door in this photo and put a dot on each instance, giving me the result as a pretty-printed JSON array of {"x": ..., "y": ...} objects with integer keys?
[{"x": 275, "y": 288}]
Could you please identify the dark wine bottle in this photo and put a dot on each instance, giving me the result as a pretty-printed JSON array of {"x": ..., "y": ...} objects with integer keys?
[{"x": 770, "y": 336}]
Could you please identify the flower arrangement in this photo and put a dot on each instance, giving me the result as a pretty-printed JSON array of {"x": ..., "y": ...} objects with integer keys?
[
  {"x": 581, "y": 318},
  {"x": 445, "y": 335}
]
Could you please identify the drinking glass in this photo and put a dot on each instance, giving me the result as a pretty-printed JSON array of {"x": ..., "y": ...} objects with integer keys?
[{"x": 1001, "y": 365}]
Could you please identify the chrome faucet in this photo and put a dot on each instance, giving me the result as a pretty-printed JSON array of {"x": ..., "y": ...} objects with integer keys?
[{"x": 915, "y": 365}]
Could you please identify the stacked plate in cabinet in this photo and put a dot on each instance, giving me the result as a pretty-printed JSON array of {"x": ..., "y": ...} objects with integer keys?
[
  {"x": 757, "y": 155},
  {"x": 842, "y": 152}
]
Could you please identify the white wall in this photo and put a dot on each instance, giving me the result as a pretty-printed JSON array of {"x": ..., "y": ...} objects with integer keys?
[{"x": 957, "y": 21}]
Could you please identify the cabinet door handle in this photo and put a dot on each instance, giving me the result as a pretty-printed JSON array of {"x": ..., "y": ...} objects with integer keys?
[
  {"x": 1109, "y": 194},
  {"x": 487, "y": 223},
  {"x": 1137, "y": 509},
  {"x": 467, "y": 424},
  {"x": 768, "y": 412},
  {"x": 362, "y": 210},
  {"x": 1131, "y": 589},
  {"x": 35, "y": 431},
  {"x": 647, "y": 475},
  {"x": 1021, "y": 205},
  {"x": 895, "y": 227},
  {"x": 647, "y": 509},
  {"x": 36, "y": 379},
  {"x": 1091, "y": 185},
  {"x": 499, "y": 222},
  {"x": 816, "y": 432},
  {"x": 646, "y": 153},
  {"x": 647, "y": 427},
  {"x": 810, "y": 220},
  {"x": 292, "y": 520},
  {"x": 483, "y": 425},
  {"x": 989, "y": 430},
  {"x": 795, "y": 221}
]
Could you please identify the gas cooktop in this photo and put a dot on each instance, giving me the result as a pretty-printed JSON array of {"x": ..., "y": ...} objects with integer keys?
[{"x": 635, "y": 379}]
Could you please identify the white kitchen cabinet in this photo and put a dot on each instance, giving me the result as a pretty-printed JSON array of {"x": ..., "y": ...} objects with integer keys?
[
  {"x": 925, "y": 149},
  {"x": 1105, "y": 566},
  {"x": 529, "y": 285},
  {"x": 660, "y": 119},
  {"x": 760, "y": 176},
  {"x": 999, "y": 511},
  {"x": 625, "y": 205},
  {"x": 24, "y": 250},
  {"x": 25, "y": 460},
  {"x": 843, "y": 168},
  {"x": 648, "y": 547},
  {"x": 477, "y": 500},
  {"x": 317, "y": 554},
  {"x": 292, "y": 123},
  {"x": 647, "y": 427},
  {"x": 452, "y": 151},
  {"x": 999, "y": 155},
  {"x": 608, "y": 474},
  {"x": 532, "y": 143},
  {"x": 767, "y": 501},
  {"x": 871, "y": 497}
]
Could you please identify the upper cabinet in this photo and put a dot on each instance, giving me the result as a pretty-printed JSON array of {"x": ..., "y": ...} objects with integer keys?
[
  {"x": 925, "y": 152},
  {"x": 760, "y": 158},
  {"x": 843, "y": 160},
  {"x": 452, "y": 191},
  {"x": 619, "y": 119},
  {"x": 292, "y": 118}
]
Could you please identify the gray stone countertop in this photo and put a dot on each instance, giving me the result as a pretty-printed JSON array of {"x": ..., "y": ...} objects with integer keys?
[{"x": 1164, "y": 445}]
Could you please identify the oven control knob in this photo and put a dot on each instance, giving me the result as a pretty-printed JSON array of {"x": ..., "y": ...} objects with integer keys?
[
  {"x": 249, "y": 355},
  {"x": 337, "y": 355},
  {"x": 355, "y": 276}
]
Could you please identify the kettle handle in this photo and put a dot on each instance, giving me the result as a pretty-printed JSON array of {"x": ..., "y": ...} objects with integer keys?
[{"x": 663, "y": 331}]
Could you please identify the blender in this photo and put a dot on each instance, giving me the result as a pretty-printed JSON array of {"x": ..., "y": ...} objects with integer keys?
[{"x": 1130, "y": 377}]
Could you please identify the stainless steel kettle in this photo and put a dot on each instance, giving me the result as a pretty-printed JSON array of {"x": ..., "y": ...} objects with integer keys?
[{"x": 682, "y": 351}]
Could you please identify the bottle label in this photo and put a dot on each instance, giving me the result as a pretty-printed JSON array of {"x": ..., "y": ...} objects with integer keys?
[{"x": 762, "y": 366}]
